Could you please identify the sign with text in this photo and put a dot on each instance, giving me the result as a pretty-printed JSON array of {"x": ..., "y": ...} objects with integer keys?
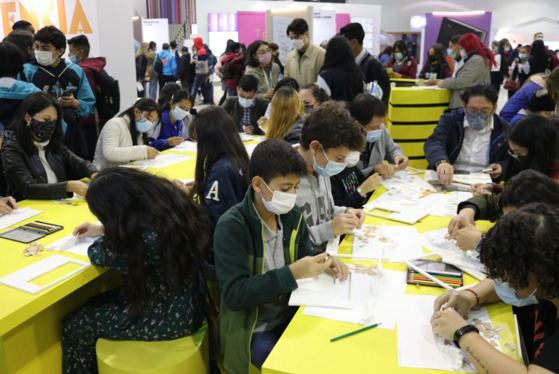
[{"x": 251, "y": 26}]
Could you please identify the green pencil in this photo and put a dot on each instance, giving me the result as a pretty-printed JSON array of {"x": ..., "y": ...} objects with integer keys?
[{"x": 354, "y": 332}]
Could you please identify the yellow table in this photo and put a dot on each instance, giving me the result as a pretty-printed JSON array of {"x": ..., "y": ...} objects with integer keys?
[
  {"x": 305, "y": 346},
  {"x": 30, "y": 325}
]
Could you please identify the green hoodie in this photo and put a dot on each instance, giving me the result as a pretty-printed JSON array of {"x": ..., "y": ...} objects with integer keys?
[{"x": 239, "y": 264}]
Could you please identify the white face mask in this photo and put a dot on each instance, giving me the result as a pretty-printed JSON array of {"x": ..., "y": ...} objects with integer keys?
[
  {"x": 297, "y": 43},
  {"x": 179, "y": 113},
  {"x": 281, "y": 203},
  {"x": 44, "y": 58},
  {"x": 352, "y": 159}
]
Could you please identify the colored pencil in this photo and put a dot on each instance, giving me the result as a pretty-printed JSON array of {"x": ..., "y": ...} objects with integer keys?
[{"x": 354, "y": 332}]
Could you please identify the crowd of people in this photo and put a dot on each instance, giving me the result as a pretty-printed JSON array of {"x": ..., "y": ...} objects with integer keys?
[{"x": 257, "y": 224}]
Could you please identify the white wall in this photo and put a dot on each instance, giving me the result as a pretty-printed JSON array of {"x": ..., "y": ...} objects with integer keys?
[
  {"x": 204, "y": 7},
  {"x": 116, "y": 42}
]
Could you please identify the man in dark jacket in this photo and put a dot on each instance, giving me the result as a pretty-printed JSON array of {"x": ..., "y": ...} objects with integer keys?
[
  {"x": 246, "y": 108},
  {"x": 185, "y": 73},
  {"x": 471, "y": 138},
  {"x": 370, "y": 67}
]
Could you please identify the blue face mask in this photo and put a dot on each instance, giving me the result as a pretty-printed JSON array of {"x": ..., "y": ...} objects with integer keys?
[
  {"x": 478, "y": 121},
  {"x": 508, "y": 295},
  {"x": 179, "y": 113},
  {"x": 73, "y": 59},
  {"x": 332, "y": 168},
  {"x": 373, "y": 136},
  {"x": 245, "y": 103},
  {"x": 507, "y": 49},
  {"x": 451, "y": 53},
  {"x": 143, "y": 125},
  {"x": 398, "y": 56}
]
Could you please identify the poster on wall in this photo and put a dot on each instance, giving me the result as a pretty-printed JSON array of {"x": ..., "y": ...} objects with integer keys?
[
  {"x": 252, "y": 26},
  {"x": 324, "y": 25},
  {"x": 155, "y": 30},
  {"x": 280, "y": 37},
  {"x": 368, "y": 27},
  {"x": 72, "y": 17}
]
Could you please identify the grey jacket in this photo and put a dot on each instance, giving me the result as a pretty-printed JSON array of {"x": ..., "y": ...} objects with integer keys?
[
  {"x": 314, "y": 197},
  {"x": 294, "y": 133},
  {"x": 383, "y": 149},
  {"x": 473, "y": 71},
  {"x": 266, "y": 81}
]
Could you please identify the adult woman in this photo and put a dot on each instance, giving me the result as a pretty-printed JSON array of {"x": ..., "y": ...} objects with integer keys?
[
  {"x": 402, "y": 65},
  {"x": 312, "y": 96},
  {"x": 500, "y": 71},
  {"x": 540, "y": 59},
  {"x": 221, "y": 178},
  {"x": 521, "y": 250},
  {"x": 436, "y": 66},
  {"x": 156, "y": 237},
  {"x": 259, "y": 62},
  {"x": 36, "y": 163},
  {"x": 124, "y": 138},
  {"x": 340, "y": 76},
  {"x": 172, "y": 128},
  {"x": 141, "y": 67},
  {"x": 478, "y": 60},
  {"x": 286, "y": 116}
]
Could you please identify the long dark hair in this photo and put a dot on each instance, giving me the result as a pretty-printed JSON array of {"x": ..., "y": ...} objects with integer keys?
[
  {"x": 338, "y": 54},
  {"x": 166, "y": 94},
  {"x": 504, "y": 70},
  {"x": 217, "y": 137},
  {"x": 131, "y": 204},
  {"x": 143, "y": 105},
  {"x": 439, "y": 52},
  {"x": 33, "y": 104},
  {"x": 538, "y": 57},
  {"x": 538, "y": 134},
  {"x": 252, "y": 48}
]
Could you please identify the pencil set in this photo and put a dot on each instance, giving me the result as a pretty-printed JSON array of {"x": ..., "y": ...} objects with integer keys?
[
  {"x": 31, "y": 231},
  {"x": 44, "y": 227},
  {"x": 446, "y": 273}
]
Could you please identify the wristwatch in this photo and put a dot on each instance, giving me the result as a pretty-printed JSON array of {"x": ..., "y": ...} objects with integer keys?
[
  {"x": 462, "y": 331},
  {"x": 440, "y": 162}
]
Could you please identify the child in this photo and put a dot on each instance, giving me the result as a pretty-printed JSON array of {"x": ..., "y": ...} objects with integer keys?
[
  {"x": 370, "y": 112},
  {"x": 172, "y": 129},
  {"x": 154, "y": 235},
  {"x": 329, "y": 135},
  {"x": 261, "y": 248}
]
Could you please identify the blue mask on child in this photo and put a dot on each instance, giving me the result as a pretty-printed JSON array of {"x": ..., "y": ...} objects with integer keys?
[
  {"x": 143, "y": 125},
  {"x": 373, "y": 136},
  {"x": 73, "y": 59},
  {"x": 179, "y": 113},
  {"x": 451, "y": 53},
  {"x": 478, "y": 121},
  {"x": 508, "y": 295},
  {"x": 332, "y": 168}
]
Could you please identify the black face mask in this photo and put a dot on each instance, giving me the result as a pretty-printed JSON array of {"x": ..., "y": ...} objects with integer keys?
[
  {"x": 42, "y": 130},
  {"x": 432, "y": 58},
  {"x": 308, "y": 108}
]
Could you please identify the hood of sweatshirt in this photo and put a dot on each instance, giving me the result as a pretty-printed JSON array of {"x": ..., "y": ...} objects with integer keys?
[{"x": 199, "y": 44}]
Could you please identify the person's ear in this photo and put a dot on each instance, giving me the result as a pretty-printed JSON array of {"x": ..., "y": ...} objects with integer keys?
[
  {"x": 314, "y": 147},
  {"x": 257, "y": 184},
  {"x": 307, "y": 35},
  {"x": 27, "y": 118},
  {"x": 61, "y": 51}
]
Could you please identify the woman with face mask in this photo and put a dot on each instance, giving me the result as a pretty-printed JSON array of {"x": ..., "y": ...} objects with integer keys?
[
  {"x": 500, "y": 70},
  {"x": 521, "y": 250},
  {"x": 36, "y": 163},
  {"x": 172, "y": 128},
  {"x": 436, "y": 65},
  {"x": 402, "y": 65},
  {"x": 124, "y": 138},
  {"x": 286, "y": 116},
  {"x": 260, "y": 63}
]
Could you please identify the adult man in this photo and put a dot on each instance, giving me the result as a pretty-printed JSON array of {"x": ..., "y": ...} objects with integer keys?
[
  {"x": 78, "y": 53},
  {"x": 150, "y": 74},
  {"x": 169, "y": 71},
  {"x": 471, "y": 138},
  {"x": 185, "y": 71},
  {"x": 305, "y": 60},
  {"x": 63, "y": 80},
  {"x": 538, "y": 36},
  {"x": 246, "y": 108},
  {"x": 23, "y": 25},
  {"x": 370, "y": 67},
  {"x": 454, "y": 52}
]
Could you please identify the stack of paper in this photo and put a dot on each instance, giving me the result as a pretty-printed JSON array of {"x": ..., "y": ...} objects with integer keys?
[
  {"x": 16, "y": 216},
  {"x": 186, "y": 146},
  {"x": 163, "y": 160}
]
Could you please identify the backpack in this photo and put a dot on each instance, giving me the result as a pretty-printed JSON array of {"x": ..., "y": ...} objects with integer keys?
[
  {"x": 158, "y": 66},
  {"x": 108, "y": 95},
  {"x": 226, "y": 70}
]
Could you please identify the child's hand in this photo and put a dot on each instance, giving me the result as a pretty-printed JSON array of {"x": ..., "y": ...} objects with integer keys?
[
  {"x": 88, "y": 229},
  {"x": 359, "y": 214},
  {"x": 174, "y": 141},
  {"x": 446, "y": 322},
  {"x": 343, "y": 223},
  {"x": 338, "y": 269},
  {"x": 385, "y": 170},
  {"x": 371, "y": 183},
  {"x": 401, "y": 162},
  {"x": 309, "y": 266}
]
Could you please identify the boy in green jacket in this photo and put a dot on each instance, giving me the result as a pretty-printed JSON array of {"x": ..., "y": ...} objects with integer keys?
[{"x": 261, "y": 248}]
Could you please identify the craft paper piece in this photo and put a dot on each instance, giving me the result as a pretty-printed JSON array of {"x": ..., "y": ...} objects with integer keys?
[
  {"x": 375, "y": 295},
  {"x": 17, "y": 215},
  {"x": 387, "y": 243},
  {"x": 419, "y": 347},
  {"x": 22, "y": 278},
  {"x": 66, "y": 200},
  {"x": 186, "y": 146},
  {"x": 72, "y": 244},
  {"x": 407, "y": 183},
  {"x": 469, "y": 179},
  {"x": 447, "y": 204},
  {"x": 249, "y": 138},
  {"x": 164, "y": 160},
  {"x": 323, "y": 291},
  {"x": 468, "y": 261}
]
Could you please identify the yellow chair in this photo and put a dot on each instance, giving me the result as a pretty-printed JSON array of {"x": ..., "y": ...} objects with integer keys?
[{"x": 185, "y": 355}]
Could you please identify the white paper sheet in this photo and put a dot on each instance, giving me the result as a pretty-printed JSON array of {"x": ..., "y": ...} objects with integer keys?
[
  {"x": 17, "y": 215},
  {"x": 407, "y": 183},
  {"x": 22, "y": 278},
  {"x": 447, "y": 204},
  {"x": 323, "y": 291},
  {"x": 248, "y": 138},
  {"x": 250, "y": 148},
  {"x": 186, "y": 146},
  {"x": 418, "y": 346},
  {"x": 394, "y": 244},
  {"x": 468, "y": 179},
  {"x": 72, "y": 244},
  {"x": 468, "y": 261},
  {"x": 164, "y": 160},
  {"x": 376, "y": 300}
]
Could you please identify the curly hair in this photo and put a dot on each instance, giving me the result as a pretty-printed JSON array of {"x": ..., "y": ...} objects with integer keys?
[
  {"x": 525, "y": 242},
  {"x": 128, "y": 203},
  {"x": 529, "y": 186}
]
